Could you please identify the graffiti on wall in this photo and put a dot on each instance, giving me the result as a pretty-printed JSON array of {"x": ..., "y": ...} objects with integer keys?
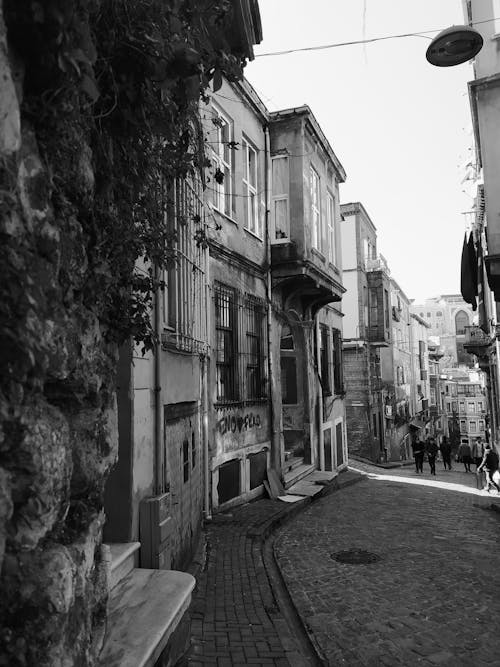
[
  {"x": 236, "y": 427},
  {"x": 238, "y": 423}
]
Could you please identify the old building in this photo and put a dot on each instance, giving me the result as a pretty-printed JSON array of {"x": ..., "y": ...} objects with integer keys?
[
  {"x": 239, "y": 398},
  {"x": 367, "y": 329},
  {"x": 396, "y": 373},
  {"x": 464, "y": 406},
  {"x": 306, "y": 266}
]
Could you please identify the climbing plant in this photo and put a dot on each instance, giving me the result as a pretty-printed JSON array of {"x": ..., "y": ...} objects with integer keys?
[{"x": 111, "y": 89}]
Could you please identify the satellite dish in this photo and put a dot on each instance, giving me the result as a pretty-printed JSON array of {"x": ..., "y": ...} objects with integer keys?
[{"x": 454, "y": 46}]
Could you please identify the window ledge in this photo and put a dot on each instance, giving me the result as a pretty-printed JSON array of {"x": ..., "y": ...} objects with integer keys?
[
  {"x": 249, "y": 231},
  {"x": 223, "y": 215},
  {"x": 318, "y": 253}
]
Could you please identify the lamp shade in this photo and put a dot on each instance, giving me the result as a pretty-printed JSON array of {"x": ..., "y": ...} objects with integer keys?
[{"x": 454, "y": 46}]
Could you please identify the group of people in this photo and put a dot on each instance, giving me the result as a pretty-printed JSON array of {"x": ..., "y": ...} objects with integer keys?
[{"x": 482, "y": 454}]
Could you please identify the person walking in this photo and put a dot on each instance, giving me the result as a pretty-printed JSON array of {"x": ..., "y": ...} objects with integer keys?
[
  {"x": 431, "y": 449},
  {"x": 465, "y": 455},
  {"x": 478, "y": 452},
  {"x": 445, "y": 448},
  {"x": 418, "y": 454},
  {"x": 490, "y": 465}
]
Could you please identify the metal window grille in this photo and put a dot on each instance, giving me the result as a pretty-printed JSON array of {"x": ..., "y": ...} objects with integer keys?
[
  {"x": 185, "y": 304},
  {"x": 255, "y": 324},
  {"x": 241, "y": 346}
]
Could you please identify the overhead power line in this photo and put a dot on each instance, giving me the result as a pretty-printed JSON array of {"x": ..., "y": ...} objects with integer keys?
[{"x": 422, "y": 33}]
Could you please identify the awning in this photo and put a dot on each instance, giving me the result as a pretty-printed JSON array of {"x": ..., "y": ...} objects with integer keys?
[{"x": 417, "y": 423}]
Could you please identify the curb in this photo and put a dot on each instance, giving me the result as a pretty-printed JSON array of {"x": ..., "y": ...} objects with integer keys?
[{"x": 285, "y": 603}]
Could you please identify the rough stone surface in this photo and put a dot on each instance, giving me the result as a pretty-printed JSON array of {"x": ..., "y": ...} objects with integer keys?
[
  {"x": 58, "y": 430},
  {"x": 431, "y": 599}
]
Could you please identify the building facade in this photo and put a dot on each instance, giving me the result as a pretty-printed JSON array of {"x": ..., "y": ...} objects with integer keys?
[
  {"x": 484, "y": 96},
  {"x": 448, "y": 315}
]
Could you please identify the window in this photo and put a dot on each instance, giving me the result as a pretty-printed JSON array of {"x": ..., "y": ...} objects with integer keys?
[
  {"x": 338, "y": 378},
  {"x": 324, "y": 361},
  {"x": 462, "y": 406},
  {"x": 255, "y": 337},
  {"x": 226, "y": 343},
  {"x": 439, "y": 314},
  {"x": 496, "y": 14},
  {"x": 288, "y": 362},
  {"x": 241, "y": 346},
  {"x": 463, "y": 426},
  {"x": 461, "y": 321},
  {"x": 250, "y": 199},
  {"x": 471, "y": 406},
  {"x": 386, "y": 308},
  {"x": 454, "y": 406},
  {"x": 480, "y": 406},
  {"x": 481, "y": 425},
  {"x": 193, "y": 451},
  {"x": 222, "y": 164},
  {"x": 428, "y": 314},
  {"x": 472, "y": 426},
  {"x": 330, "y": 220},
  {"x": 185, "y": 459},
  {"x": 315, "y": 210},
  {"x": 184, "y": 297},
  {"x": 448, "y": 406},
  {"x": 279, "y": 206}
]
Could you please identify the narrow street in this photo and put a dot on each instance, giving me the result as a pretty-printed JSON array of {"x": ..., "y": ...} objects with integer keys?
[{"x": 432, "y": 595}]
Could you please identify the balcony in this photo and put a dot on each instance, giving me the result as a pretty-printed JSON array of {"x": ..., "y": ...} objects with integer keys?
[
  {"x": 380, "y": 309},
  {"x": 476, "y": 341},
  {"x": 377, "y": 264}
]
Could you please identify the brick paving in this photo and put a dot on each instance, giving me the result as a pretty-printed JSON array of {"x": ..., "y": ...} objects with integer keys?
[
  {"x": 432, "y": 599},
  {"x": 234, "y": 616}
]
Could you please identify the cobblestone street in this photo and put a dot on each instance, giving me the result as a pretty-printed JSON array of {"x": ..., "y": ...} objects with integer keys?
[{"x": 433, "y": 596}]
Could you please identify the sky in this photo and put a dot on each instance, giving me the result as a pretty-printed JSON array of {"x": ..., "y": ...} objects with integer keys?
[{"x": 400, "y": 127}]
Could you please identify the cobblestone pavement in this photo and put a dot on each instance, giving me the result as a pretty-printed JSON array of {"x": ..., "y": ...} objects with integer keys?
[
  {"x": 235, "y": 618},
  {"x": 433, "y": 598}
]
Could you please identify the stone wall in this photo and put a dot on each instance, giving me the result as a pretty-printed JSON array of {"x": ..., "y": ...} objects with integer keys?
[{"x": 58, "y": 432}]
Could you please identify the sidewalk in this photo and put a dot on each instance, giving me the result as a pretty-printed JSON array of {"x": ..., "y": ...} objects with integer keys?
[{"x": 234, "y": 615}]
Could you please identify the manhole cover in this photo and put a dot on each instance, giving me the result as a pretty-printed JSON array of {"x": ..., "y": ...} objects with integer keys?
[{"x": 356, "y": 557}]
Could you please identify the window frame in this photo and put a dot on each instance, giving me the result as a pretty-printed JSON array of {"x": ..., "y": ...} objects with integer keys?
[
  {"x": 315, "y": 196},
  {"x": 252, "y": 219},
  {"x": 228, "y": 326},
  {"x": 280, "y": 197},
  {"x": 225, "y": 163},
  {"x": 330, "y": 222}
]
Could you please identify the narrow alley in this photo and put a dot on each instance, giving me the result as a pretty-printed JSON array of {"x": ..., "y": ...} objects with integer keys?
[{"x": 427, "y": 596}]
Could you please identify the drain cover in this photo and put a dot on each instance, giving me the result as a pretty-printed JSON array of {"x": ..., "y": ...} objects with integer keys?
[{"x": 356, "y": 557}]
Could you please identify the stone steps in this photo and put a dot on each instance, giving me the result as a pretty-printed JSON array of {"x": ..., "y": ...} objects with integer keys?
[
  {"x": 296, "y": 473},
  {"x": 145, "y": 608},
  {"x": 124, "y": 558}
]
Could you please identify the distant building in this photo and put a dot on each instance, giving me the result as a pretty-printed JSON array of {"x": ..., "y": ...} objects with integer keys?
[{"x": 448, "y": 316}]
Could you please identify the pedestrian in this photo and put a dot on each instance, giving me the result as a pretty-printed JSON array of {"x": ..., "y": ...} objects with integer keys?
[
  {"x": 418, "y": 454},
  {"x": 478, "y": 452},
  {"x": 465, "y": 455},
  {"x": 490, "y": 466},
  {"x": 445, "y": 448},
  {"x": 431, "y": 449}
]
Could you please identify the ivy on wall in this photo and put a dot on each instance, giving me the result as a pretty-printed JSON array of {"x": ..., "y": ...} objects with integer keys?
[{"x": 111, "y": 88}]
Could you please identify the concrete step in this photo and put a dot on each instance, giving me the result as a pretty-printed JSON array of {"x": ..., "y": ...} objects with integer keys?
[
  {"x": 297, "y": 473},
  {"x": 144, "y": 610},
  {"x": 124, "y": 557},
  {"x": 292, "y": 462}
]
